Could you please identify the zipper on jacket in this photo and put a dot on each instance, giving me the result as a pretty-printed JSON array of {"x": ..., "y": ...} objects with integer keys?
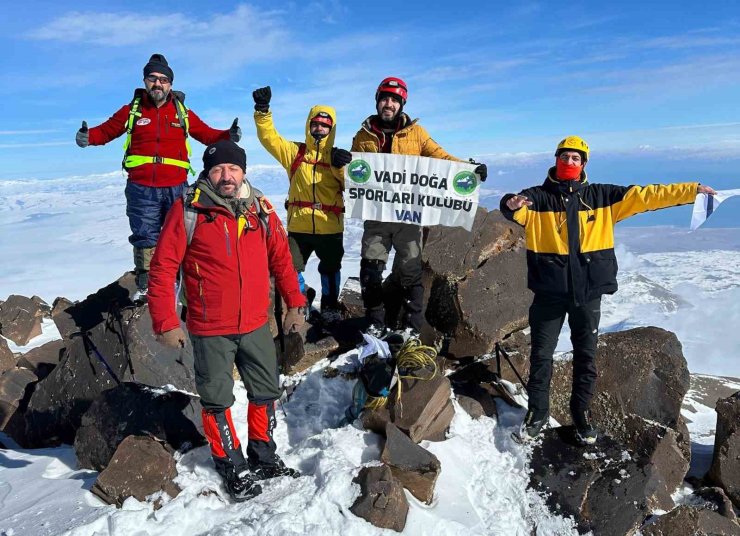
[
  {"x": 315, "y": 163},
  {"x": 239, "y": 266},
  {"x": 156, "y": 152},
  {"x": 200, "y": 292},
  {"x": 228, "y": 240}
]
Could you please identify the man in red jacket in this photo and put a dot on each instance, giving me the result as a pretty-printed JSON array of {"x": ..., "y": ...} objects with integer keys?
[
  {"x": 229, "y": 241},
  {"x": 156, "y": 156}
]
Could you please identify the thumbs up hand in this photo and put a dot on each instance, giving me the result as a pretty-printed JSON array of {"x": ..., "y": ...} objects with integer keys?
[
  {"x": 83, "y": 137},
  {"x": 235, "y": 133}
]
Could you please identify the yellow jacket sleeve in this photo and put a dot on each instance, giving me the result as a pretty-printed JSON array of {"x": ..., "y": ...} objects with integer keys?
[
  {"x": 338, "y": 174},
  {"x": 282, "y": 150},
  {"x": 431, "y": 148},
  {"x": 637, "y": 199},
  {"x": 521, "y": 215}
]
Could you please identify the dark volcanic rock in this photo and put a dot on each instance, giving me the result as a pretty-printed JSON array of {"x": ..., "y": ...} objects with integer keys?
[
  {"x": 660, "y": 446},
  {"x": 382, "y": 501},
  {"x": 127, "y": 345},
  {"x": 132, "y": 409},
  {"x": 7, "y": 359},
  {"x": 20, "y": 318},
  {"x": 425, "y": 409},
  {"x": 689, "y": 521},
  {"x": 415, "y": 467},
  {"x": 350, "y": 298},
  {"x": 140, "y": 467},
  {"x": 304, "y": 349},
  {"x": 606, "y": 489},
  {"x": 85, "y": 315},
  {"x": 643, "y": 372},
  {"x": 43, "y": 359},
  {"x": 715, "y": 499},
  {"x": 60, "y": 305},
  {"x": 476, "y": 283},
  {"x": 16, "y": 386},
  {"x": 725, "y": 470}
]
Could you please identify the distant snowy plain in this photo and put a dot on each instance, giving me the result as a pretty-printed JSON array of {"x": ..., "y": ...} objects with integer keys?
[{"x": 68, "y": 237}]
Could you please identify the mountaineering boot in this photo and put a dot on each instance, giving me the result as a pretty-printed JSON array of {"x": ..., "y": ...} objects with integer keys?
[
  {"x": 241, "y": 486},
  {"x": 262, "y": 459},
  {"x": 330, "y": 311},
  {"x": 586, "y": 434},
  {"x": 532, "y": 425},
  {"x": 142, "y": 260},
  {"x": 371, "y": 286},
  {"x": 227, "y": 455},
  {"x": 263, "y": 471}
]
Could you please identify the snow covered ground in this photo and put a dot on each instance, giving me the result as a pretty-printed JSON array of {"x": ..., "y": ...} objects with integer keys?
[{"x": 68, "y": 237}]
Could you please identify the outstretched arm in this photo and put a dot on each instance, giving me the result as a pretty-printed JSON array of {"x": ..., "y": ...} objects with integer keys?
[
  {"x": 282, "y": 150},
  {"x": 630, "y": 200},
  {"x": 203, "y": 133},
  {"x": 515, "y": 207},
  {"x": 110, "y": 129}
]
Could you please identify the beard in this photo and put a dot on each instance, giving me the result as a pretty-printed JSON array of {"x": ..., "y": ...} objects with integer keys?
[
  {"x": 388, "y": 116},
  {"x": 157, "y": 94},
  {"x": 227, "y": 190}
]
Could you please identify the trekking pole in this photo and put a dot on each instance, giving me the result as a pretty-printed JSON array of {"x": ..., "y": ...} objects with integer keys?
[
  {"x": 499, "y": 352},
  {"x": 87, "y": 342},
  {"x": 116, "y": 312}
]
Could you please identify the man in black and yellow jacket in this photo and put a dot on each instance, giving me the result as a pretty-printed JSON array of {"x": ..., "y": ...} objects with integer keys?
[{"x": 569, "y": 229}]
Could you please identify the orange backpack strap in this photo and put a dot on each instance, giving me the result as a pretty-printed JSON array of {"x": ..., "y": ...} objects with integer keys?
[{"x": 297, "y": 160}]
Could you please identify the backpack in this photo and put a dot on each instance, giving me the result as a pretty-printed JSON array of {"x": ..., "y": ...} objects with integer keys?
[
  {"x": 129, "y": 161},
  {"x": 191, "y": 213}
]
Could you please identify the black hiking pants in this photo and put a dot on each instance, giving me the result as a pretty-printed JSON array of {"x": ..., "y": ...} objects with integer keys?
[{"x": 546, "y": 317}]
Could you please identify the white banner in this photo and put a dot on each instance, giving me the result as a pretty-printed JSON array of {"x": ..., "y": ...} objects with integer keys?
[
  {"x": 705, "y": 205},
  {"x": 410, "y": 189}
]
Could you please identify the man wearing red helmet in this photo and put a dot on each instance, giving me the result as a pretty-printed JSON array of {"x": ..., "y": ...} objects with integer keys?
[{"x": 392, "y": 131}]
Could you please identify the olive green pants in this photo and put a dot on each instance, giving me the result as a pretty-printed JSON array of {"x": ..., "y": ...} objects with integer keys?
[{"x": 255, "y": 359}]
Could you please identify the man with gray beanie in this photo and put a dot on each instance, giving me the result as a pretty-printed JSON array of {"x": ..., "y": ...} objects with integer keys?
[
  {"x": 156, "y": 155},
  {"x": 229, "y": 242}
]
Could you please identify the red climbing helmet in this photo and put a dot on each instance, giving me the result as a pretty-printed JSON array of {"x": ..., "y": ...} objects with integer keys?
[{"x": 393, "y": 85}]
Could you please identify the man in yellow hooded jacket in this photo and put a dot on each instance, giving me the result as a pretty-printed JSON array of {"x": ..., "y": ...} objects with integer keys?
[{"x": 315, "y": 205}]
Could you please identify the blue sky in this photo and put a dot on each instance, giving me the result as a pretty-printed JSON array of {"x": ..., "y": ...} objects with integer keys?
[{"x": 653, "y": 87}]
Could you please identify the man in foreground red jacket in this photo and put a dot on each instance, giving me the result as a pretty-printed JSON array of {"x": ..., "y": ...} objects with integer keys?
[
  {"x": 156, "y": 155},
  {"x": 229, "y": 241}
]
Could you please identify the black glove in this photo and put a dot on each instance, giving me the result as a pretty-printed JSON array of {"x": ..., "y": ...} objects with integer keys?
[
  {"x": 481, "y": 170},
  {"x": 83, "y": 138},
  {"x": 340, "y": 157},
  {"x": 262, "y": 98},
  {"x": 235, "y": 133}
]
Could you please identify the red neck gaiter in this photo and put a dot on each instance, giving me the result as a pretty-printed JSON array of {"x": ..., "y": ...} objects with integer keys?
[{"x": 567, "y": 172}]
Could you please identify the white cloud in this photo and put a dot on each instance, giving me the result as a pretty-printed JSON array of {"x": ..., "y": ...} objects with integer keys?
[
  {"x": 25, "y": 132},
  {"x": 111, "y": 29}
]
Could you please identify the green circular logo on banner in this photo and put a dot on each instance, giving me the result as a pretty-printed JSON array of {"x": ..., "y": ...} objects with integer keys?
[
  {"x": 359, "y": 171},
  {"x": 465, "y": 182}
]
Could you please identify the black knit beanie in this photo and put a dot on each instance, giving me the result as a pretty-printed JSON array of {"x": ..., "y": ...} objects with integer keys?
[
  {"x": 158, "y": 64},
  {"x": 224, "y": 152}
]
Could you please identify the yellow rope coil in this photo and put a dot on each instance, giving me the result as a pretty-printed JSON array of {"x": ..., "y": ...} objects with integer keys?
[{"x": 412, "y": 356}]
